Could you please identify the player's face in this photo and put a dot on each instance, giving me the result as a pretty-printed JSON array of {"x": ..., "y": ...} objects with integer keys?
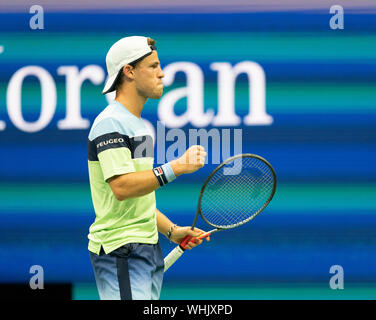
[{"x": 148, "y": 77}]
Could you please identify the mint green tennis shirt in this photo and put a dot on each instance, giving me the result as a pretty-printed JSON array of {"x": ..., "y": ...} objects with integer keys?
[{"x": 119, "y": 143}]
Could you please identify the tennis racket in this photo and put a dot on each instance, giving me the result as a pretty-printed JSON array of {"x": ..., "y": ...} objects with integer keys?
[{"x": 233, "y": 194}]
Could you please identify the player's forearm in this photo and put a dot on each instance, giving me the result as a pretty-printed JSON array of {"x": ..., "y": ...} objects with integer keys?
[
  {"x": 135, "y": 184},
  {"x": 163, "y": 223}
]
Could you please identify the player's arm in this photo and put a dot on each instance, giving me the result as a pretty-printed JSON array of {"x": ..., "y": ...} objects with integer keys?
[
  {"x": 164, "y": 225},
  {"x": 136, "y": 184}
]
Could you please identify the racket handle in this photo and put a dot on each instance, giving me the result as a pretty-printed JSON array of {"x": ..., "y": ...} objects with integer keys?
[
  {"x": 185, "y": 241},
  {"x": 179, "y": 250},
  {"x": 172, "y": 257}
]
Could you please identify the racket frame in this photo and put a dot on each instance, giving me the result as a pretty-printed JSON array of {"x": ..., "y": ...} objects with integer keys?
[{"x": 218, "y": 228}]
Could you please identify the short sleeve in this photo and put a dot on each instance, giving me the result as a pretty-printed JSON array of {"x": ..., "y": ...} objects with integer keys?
[
  {"x": 115, "y": 161},
  {"x": 112, "y": 149}
]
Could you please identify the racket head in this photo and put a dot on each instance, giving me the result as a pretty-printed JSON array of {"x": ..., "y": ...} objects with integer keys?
[{"x": 226, "y": 196}]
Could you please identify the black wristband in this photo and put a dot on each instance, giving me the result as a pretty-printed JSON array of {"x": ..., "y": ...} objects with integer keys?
[{"x": 160, "y": 175}]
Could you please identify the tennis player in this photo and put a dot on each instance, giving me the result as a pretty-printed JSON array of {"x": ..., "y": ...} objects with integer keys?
[{"x": 123, "y": 240}]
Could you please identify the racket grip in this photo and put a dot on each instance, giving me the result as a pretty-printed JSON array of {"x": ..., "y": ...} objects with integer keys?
[
  {"x": 185, "y": 241},
  {"x": 172, "y": 257}
]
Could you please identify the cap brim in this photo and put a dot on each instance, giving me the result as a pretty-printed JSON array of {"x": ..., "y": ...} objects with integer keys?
[{"x": 110, "y": 84}]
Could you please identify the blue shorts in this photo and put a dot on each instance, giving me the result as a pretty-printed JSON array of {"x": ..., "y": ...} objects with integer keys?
[{"x": 131, "y": 272}]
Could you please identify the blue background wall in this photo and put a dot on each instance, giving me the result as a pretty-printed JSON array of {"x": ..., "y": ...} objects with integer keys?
[{"x": 320, "y": 90}]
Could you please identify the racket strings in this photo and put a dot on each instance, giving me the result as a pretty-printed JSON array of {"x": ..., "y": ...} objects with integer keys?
[
  {"x": 223, "y": 213},
  {"x": 232, "y": 199}
]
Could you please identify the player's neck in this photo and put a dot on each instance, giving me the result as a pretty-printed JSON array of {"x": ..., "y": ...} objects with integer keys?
[{"x": 134, "y": 103}]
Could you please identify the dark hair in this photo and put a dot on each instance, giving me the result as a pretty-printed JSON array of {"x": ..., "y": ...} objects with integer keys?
[{"x": 120, "y": 77}]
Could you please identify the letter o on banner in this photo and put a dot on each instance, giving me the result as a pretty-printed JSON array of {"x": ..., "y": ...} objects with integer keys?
[{"x": 48, "y": 105}]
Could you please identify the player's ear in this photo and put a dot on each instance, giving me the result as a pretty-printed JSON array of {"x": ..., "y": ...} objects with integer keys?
[{"x": 128, "y": 71}]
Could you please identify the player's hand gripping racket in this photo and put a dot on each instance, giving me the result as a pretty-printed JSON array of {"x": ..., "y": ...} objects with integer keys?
[{"x": 233, "y": 194}]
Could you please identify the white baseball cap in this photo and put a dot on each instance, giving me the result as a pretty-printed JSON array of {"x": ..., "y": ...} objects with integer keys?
[{"x": 121, "y": 53}]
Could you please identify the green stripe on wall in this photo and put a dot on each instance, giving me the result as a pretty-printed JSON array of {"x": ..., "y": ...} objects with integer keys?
[
  {"x": 265, "y": 291},
  {"x": 292, "y": 198},
  {"x": 216, "y": 46}
]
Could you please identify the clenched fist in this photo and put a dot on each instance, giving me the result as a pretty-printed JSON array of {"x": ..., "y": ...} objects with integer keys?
[{"x": 192, "y": 160}]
